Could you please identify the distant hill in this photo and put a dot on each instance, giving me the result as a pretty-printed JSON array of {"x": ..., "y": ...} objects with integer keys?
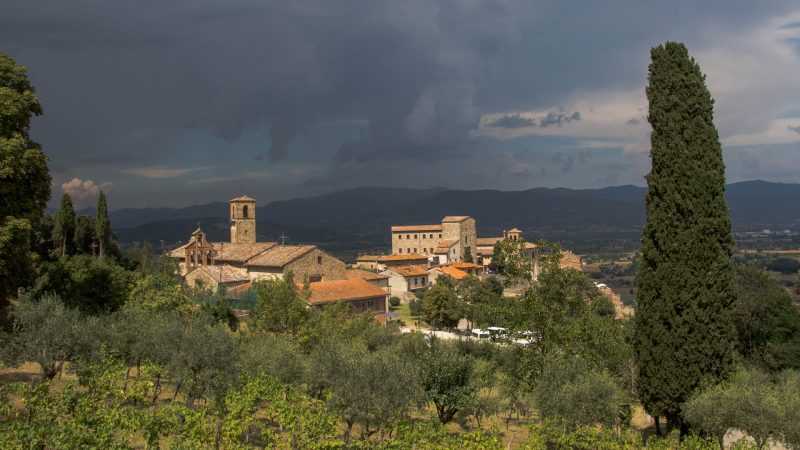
[{"x": 359, "y": 218}]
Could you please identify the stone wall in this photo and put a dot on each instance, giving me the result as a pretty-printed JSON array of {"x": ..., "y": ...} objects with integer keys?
[
  {"x": 422, "y": 242},
  {"x": 317, "y": 263}
]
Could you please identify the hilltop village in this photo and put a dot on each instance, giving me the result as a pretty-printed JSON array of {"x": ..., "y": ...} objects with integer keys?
[{"x": 420, "y": 256}]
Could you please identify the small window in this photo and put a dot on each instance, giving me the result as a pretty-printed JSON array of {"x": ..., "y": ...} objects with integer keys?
[
  {"x": 314, "y": 278},
  {"x": 245, "y": 212},
  {"x": 319, "y": 259},
  {"x": 415, "y": 236},
  {"x": 440, "y": 235},
  {"x": 400, "y": 236},
  {"x": 400, "y": 250}
]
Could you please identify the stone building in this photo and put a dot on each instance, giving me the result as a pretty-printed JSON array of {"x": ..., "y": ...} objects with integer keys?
[
  {"x": 214, "y": 264},
  {"x": 405, "y": 280},
  {"x": 382, "y": 262},
  {"x": 454, "y": 239}
]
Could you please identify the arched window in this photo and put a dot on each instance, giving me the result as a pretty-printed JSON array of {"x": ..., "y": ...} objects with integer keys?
[{"x": 244, "y": 211}]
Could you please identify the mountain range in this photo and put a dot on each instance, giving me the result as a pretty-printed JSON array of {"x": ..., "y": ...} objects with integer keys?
[{"x": 359, "y": 218}]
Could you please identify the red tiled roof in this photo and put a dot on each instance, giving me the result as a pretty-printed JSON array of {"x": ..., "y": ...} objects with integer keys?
[
  {"x": 434, "y": 227},
  {"x": 410, "y": 271},
  {"x": 450, "y": 219},
  {"x": 280, "y": 255},
  {"x": 487, "y": 241},
  {"x": 225, "y": 273},
  {"x": 388, "y": 258},
  {"x": 352, "y": 274},
  {"x": 453, "y": 272},
  {"x": 229, "y": 252},
  {"x": 343, "y": 291},
  {"x": 465, "y": 266}
]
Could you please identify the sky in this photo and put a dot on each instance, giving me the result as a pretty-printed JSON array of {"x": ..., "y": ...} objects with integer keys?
[{"x": 192, "y": 101}]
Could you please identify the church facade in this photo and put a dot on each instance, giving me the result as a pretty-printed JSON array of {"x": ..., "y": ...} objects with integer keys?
[{"x": 243, "y": 259}]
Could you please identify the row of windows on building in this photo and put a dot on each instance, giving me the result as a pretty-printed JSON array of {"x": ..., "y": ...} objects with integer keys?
[
  {"x": 410, "y": 251},
  {"x": 417, "y": 282},
  {"x": 424, "y": 236}
]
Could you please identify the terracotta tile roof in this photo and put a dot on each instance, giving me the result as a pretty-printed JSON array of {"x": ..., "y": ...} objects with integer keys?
[
  {"x": 485, "y": 251},
  {"x": 243, "y": 198},
  {"x": 445, "y": 245},
  {"x": 343, "y": 291},
  {"x": 434, "y": 227},
  {"x": 280, "y": 255},
  {"x": 352, "y": 274},
  {"x": 225, "y": 273},
  {"x": 466, "y": 266},
  {"x": 240, "y": 252},
  {"x": 448, "y": 219},
  {"x": 410, "y": 271},
  {"x": 230, "y": 252},
  {"x": 453, "y": 272},
  {"x": 390, "y": 258},
  {"x": 487, "y": 241}
]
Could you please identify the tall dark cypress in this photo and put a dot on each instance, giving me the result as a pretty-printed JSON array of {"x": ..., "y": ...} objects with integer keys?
[
  {"x": 102, "y": 225},
  {"x": 64, "y": 229},
  {"x": 683, "y": 335}
]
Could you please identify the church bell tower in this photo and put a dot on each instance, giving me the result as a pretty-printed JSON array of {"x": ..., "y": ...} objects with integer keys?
[{"x": 243, "y": 220}]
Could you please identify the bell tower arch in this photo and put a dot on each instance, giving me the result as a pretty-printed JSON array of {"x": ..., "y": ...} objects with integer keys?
[{"x": 243, "y": 220}]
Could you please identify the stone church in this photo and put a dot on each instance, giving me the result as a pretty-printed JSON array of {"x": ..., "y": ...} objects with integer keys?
[{"x": 242, "y": 260}]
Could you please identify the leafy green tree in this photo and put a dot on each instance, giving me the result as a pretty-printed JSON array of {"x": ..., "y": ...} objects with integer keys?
[
  {"x": 683, "y": 332},
  {"x": 277, "y": 355},
  {"x": 64, "y": 229},
  {"x": 446, "y": 377},
  {"x": 204, "y": 361},
  {"x": 102, "y": 227},
  {"x": 25, "y": 180},
  {"x": 509, "y": 258},
  {"x": 89, "y": 284},
  {"x": 347, "y": 369},
  {"x": 440, "y": 305},
  {"x": 570, "y": 390},
  {"x": 16, "y": 264},
  {"x": 84, "y": 235},
  {"x": 766, "y": 320},
  {"x": 159, "y": 293},
  {"x": 47, "y": 332},
  {"x": 749, "y": 401},
  {"x": 279, "y": 307}
]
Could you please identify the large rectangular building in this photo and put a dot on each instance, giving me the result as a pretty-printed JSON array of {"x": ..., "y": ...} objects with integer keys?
[{"x": 454, "y": 239}]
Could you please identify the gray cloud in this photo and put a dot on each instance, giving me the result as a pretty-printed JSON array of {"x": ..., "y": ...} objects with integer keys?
[
  {"x": 512, "y": 121},
  {"x": 244, "y": 83},
  {"x": 559, "y": 119},
  {"x": 795, "y": 128}
]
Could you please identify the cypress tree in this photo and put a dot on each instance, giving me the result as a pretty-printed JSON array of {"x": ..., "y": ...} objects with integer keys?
[
  {"x": 84, "y": 234},
  {"x": 64, "y": 229},
  {"x": 683, "y": 334},
  {"x": 102, "y": 229}
]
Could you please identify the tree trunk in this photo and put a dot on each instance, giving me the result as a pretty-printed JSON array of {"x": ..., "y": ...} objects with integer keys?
[
  {"x": 127, "y": 377},
  {"x": 657, "y": 421},
  {"x": 177, "y": 389},
  {"x": 157, "y": 388}
]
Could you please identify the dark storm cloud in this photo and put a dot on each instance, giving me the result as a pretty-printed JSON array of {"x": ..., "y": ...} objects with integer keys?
[
  {"x": 512, "y": 121},
  {"x": 559, "y": 119},
  {"x": 130, "y": 84}
]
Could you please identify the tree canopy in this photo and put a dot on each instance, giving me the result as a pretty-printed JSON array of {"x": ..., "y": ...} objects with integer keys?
[{"x": 684, "y": 335}]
